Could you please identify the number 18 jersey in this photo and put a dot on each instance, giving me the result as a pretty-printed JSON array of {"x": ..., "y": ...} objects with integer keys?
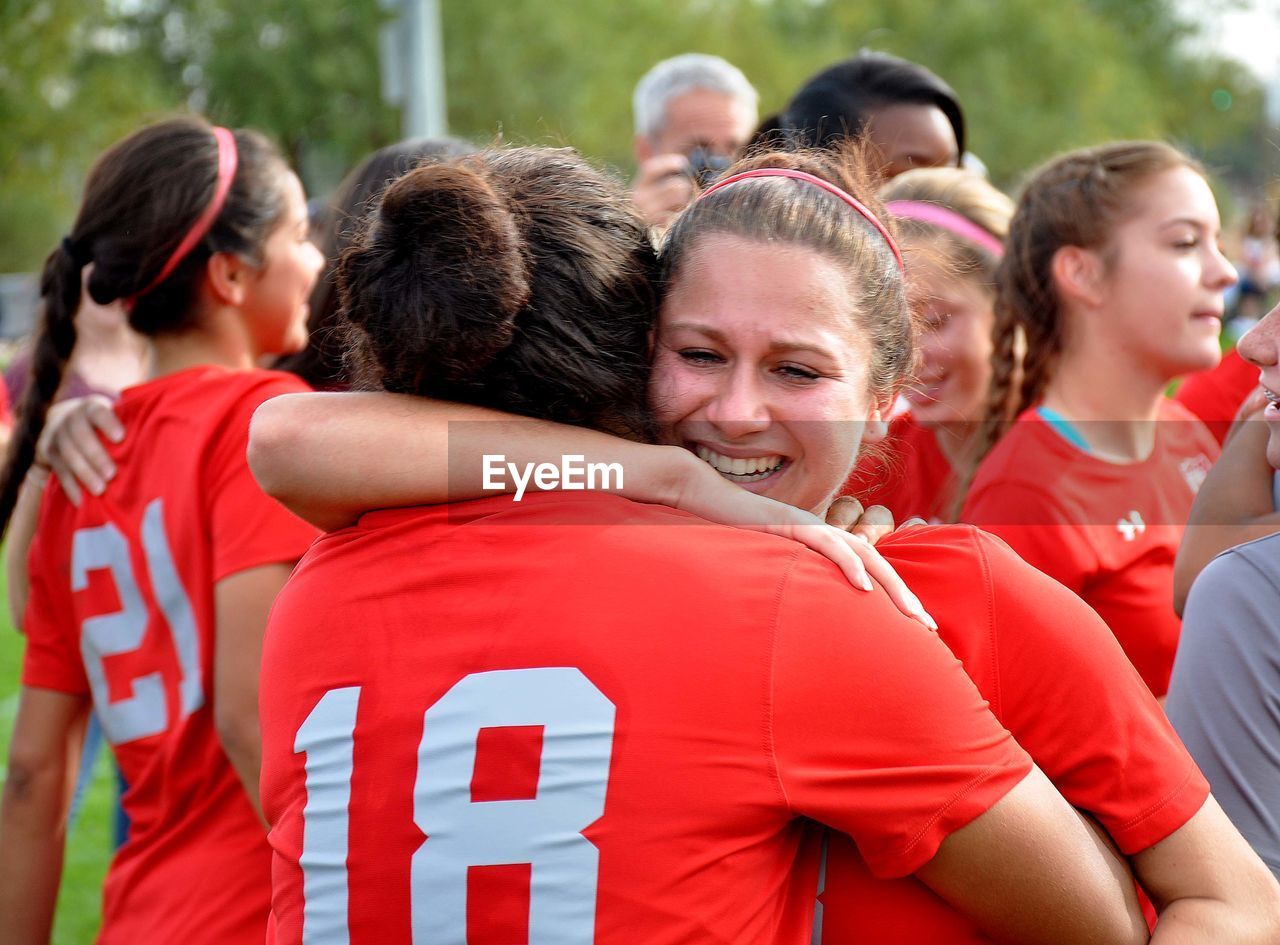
[
  {"x": 121, "y": 609},
  {"x": 578, "y": 719}
]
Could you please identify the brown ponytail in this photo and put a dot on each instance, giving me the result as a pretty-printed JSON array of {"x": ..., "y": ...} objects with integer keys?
[{"x": 520, "y": 279}]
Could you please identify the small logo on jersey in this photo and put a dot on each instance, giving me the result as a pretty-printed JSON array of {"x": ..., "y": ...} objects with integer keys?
[
  {"x": 1132, "y": 526},
  {"x": 1194, "y": 469}
]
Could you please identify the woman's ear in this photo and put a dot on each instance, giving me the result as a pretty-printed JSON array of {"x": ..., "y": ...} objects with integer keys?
[
  {"x": 1079, "y": 274},
  {"x": 877, "y": 426},
  {"x": 227, "y": 276}
]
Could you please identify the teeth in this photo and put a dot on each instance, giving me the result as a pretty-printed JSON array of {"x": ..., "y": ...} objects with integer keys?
[{"x": 731, "y": 466}]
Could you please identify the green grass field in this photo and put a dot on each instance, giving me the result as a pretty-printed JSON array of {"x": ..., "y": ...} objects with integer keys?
[{"x": 89, "y": 841}]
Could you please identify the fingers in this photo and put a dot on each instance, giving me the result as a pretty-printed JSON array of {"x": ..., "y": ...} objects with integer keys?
[
  {"x": 660, "y": 166},
  {"x": 663, "y": 188},
  {"x": 844, "y": 513},
  {"x": 876, "y": 523},
  {"x": 898, "y": 592},
  {"x": 827, "y": 542},
  {"x": 71, "y": 445},
  {"x": 913, "y": 522},
  {"x": 102, "y": 415}
]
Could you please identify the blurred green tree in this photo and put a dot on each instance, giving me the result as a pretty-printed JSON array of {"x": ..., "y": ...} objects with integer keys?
[{"x": 1034, "y": 78}]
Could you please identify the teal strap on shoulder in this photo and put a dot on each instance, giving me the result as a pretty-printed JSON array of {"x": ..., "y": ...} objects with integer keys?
[{"x": 1062, "y": 426}]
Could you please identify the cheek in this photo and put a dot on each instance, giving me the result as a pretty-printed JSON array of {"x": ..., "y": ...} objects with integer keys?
[
  {"x": 673, "y": 389},
  {"x": 974, "y": 348}
]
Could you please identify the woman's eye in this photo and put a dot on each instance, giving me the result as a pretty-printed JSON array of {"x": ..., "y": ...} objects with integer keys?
[
  {"x": 700, "y": 356},
  {"x": 792, "y": 372}
]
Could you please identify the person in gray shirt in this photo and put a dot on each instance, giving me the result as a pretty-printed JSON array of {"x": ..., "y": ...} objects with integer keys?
[{"x": 1224, "y": 697}]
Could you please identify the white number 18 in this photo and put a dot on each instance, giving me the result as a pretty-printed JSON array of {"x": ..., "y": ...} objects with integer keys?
[{"x": 544, "y": 831}]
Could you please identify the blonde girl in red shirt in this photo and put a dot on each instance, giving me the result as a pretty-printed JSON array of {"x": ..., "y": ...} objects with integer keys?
[{"x": 953, "y": 225}]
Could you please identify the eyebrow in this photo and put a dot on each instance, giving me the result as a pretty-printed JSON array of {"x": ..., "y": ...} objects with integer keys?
[
  {"x": 1186, "y": 221},
  {"x": 781, "y": 345}
]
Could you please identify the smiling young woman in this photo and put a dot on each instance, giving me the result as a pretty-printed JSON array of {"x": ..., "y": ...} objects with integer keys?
[{"x": 953, "y": 225}]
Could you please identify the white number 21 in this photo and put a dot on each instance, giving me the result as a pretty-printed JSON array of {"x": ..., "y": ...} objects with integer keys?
[
  {"x": 105, "y": 548},
  {"x": 545, "y": 831}
]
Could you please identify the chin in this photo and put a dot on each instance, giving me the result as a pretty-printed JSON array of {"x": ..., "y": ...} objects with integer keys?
[{"x": 1204, "y": 359}]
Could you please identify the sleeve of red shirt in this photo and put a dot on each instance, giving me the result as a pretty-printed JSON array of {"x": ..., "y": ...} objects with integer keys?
[
  {"x": 248, "y": 528},
  {"x": 877, "y": 731},
  {"x": 1081, "y": 710},
  {"x": 52, "y": 657},
  {"x": 6, "y": 408},
  {"x": 1037, "y": 528}
]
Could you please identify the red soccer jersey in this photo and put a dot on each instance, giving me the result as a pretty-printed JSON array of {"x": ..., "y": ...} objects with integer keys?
[
  {"x": 1059, "y": 682},
  {"x": 1108, "y": 531},
  {"x": 576, "y": 718},
  {"x": 910, "y": 476},
  {"x": 1216, "y": 394},
  {"x": 121, "y": 608}
]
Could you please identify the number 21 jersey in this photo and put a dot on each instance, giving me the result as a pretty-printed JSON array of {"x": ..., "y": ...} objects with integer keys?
[{"x": 121, "y": 609}]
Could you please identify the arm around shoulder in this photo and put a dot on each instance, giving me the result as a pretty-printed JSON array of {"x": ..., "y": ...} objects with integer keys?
[
  {"x": 1209, "y": 886},
  {"x": 1234, "y": 505},
  {"x": 1030, "y": 870}
]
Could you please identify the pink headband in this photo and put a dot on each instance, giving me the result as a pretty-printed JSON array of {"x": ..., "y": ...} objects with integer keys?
[
  {"x": 948, "y": 220},
  {"x": 227, "y": 161},
  {"x": 817, "y": 182}
]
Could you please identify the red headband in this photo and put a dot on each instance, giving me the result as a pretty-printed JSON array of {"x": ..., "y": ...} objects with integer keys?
[
  {"x": 227, "y": 161},
  {"x": 817, "y": 182},
  {"x": 954, "y": 223}
]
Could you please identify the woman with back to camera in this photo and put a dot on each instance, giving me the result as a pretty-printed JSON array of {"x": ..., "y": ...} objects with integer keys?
[
  {"x": 663, "y": 816},
  {"x": 150, "y": 600},
  {"x": 1113, "y": 274},
  {"x": 733, "y": 387},
  {"x": 953, "y": 225}
]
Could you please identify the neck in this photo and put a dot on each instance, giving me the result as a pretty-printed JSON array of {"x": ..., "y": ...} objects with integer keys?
[
  {"x": 953, "y": 440},
  {"x": 216, "y": 339},
  {"x": 110, "y": 357},
  {"x": 1113, "y": 400}
]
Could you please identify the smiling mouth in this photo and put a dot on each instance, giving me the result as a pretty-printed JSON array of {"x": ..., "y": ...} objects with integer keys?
[{"x": 740, "y": 470}]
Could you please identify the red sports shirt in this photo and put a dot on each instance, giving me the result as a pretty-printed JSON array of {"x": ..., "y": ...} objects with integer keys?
[
  {"x": 1059, "y": 682},
  {"x": 1108, "y": 531},
  {"x": 121, "y": 608},
  {"x": 580, "y": 719},
  {"x": 1216, "y": 394},
  {"x": 909, "y": 475}
]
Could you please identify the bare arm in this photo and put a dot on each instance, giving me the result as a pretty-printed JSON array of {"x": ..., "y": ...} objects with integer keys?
[
  {"x": 1209, "y": 886},
  {"x": 22, "y": 529},
  {"x": 1031, "y": 870},
  {"x": 33, "y": 812},
  {"x": 1234, "y": 505},
  {"x": 331, "y": 457},
  {"x": 242, "y": 601}
]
